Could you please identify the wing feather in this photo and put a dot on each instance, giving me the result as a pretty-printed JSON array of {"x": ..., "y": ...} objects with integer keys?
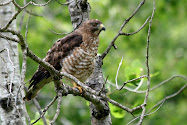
[{"x": 59, "y": 50}]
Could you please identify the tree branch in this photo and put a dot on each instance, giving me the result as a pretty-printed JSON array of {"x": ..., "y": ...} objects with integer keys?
[
  {"x": 8, "y": 38},
  {"x": 6, "y": 3},
  {"x": 40, "y": 111},
  {"x": 58, "y": 107},
  {"x": 120, "y": 31},
  {"x": 45, "y": 109},
  {"x": 168, "y": 97},
  {"x": 127, "y": 34},
  {"x": 132, "y": 81},
  {"x": 44, "y": 4},
  {"x": 147, "y": 65}
]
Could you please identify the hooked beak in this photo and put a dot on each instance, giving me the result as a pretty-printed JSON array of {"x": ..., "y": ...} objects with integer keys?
[{"x": 102, "y": 27}]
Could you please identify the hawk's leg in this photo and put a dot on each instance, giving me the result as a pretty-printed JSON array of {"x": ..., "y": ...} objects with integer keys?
[{"x": 81, "y": 90}]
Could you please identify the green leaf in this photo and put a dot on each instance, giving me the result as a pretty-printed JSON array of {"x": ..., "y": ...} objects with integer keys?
[
  {"x": 133, "y": 76},
  {"x": 116, "y": 111},
  {"x": 40, "y": 122},
  {"x": 155, "y": 74},
  {"x": 138, "y": 110}
]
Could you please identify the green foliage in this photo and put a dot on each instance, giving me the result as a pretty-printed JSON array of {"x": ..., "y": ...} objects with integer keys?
[
  {"x": 168, "y": 48},
  {"x": 116, "y": 111},
  {"x": 40, "y": 122}
]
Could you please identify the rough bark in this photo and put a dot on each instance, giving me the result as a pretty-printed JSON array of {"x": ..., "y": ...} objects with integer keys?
[
  {"x": 99, "y": 116},
  {"x": 79, "y": 12},
  {"x": 11, "y": 104}
]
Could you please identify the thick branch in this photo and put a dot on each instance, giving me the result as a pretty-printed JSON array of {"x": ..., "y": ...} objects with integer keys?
[{"x": 79, "y": 12}]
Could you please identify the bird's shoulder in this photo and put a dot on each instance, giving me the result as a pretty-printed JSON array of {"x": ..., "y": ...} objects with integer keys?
[{"x": 62, "y": 47}]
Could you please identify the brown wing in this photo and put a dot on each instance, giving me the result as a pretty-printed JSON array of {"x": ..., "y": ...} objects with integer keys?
[{"x": 59, "y": 50}]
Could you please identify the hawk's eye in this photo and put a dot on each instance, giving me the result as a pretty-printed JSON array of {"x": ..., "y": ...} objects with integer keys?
[{"x": 94, "y": 24}]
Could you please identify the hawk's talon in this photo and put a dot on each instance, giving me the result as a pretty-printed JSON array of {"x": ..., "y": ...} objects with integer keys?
[{"x": 81, "y": 90}]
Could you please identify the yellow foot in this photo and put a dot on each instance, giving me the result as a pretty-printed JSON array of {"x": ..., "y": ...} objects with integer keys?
[{"x": 81, "y": 90}]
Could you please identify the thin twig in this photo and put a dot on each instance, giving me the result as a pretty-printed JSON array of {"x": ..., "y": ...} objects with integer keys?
[
  {"x": 64, "y": 4},
  {"x": 26, "y": 114},
  {"x": 147, "y": 65},
  {"x": 121, "y": 28},
  {"x": 20, "y": 10},
  {"x": 58, "y": 107},
  {"x": 139, "y": 85},
  {"x": 103, "y": 85},
  {"x": 24, "y": 63},
  {"x": 15, "y": 15},
  {"x": 2, "y": 50},
  {"x": 132, "y": 81},
  {"x": 9, "y": 38},
  {"x": 127, "y": 34},
  {"x": 147, "y": 114},
  {"x": 160, "y": 103},
  {"x": 155, "y": 87},
  {"x": 40, "y": 111},
  {"x": 44, "y": 4},
  {"x": 6, "y": 3},
  {"x": 167, "y": 80},
  {"x": 14, "y": 68},
  {"x": 116, "y": 79},
  {"x": 27, "y": 25},
  {"x": 22, "y": 17},
  {"x": 45, "y": 109},
  {"x": 168, "y": 97}
]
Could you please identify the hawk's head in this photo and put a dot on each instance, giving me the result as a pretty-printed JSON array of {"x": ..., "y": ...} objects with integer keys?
[{"x": 92, "y": 26}]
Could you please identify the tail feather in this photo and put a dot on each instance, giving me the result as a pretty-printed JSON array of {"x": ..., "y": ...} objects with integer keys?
[
  {"x": 39, "y": 79},
  {"x": 38, "y": 76}
]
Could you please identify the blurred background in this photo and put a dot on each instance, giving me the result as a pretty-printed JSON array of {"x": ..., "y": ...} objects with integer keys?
[{"x": 168, "y": 57}]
